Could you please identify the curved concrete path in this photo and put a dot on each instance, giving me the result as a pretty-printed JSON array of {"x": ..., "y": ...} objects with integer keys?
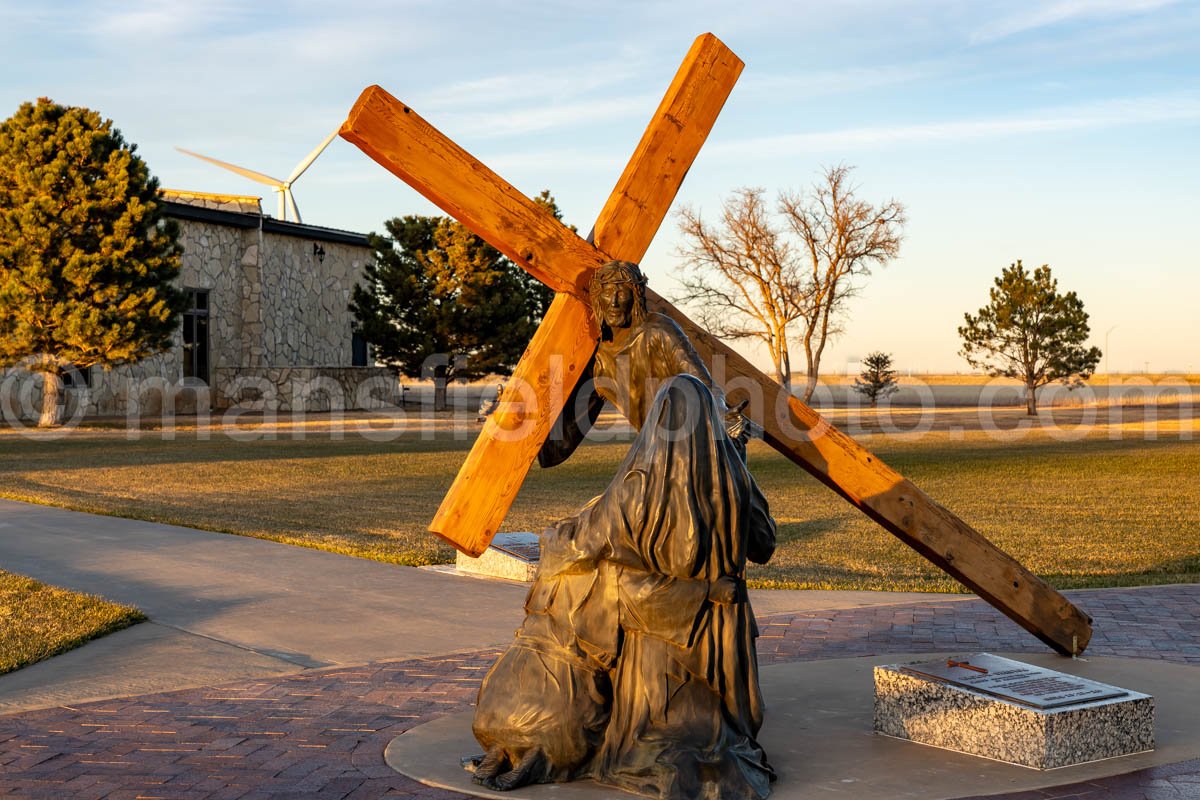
[{"x": 225, "y": 607}]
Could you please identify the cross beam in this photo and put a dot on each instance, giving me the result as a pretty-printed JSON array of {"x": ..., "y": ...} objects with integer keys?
[{"x": 397, "y": 138}]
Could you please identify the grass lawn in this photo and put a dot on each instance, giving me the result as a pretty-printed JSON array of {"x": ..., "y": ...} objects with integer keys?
[
  {"x": 38, "y": 621},
  {"x": 1099, "y": 511}
]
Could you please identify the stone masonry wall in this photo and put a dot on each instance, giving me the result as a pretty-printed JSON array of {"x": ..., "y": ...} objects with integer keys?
[
  {"x": 304, "y": 301},
  {"x": 307, "y": 388}
]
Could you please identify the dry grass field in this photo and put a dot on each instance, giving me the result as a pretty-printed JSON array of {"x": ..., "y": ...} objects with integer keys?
[
  {"x": 1084, "y": 497},
  {"x": 977, "y": 379},
  {"x": 38, "y": 621}
]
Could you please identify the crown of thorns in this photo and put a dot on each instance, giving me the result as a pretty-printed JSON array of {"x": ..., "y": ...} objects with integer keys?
[{"x": 619, "y": 271}]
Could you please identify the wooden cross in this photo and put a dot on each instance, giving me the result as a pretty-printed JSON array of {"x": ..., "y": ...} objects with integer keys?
[{"x": 472, "y": 511}]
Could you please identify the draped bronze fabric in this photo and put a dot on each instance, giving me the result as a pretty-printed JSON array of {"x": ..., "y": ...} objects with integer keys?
[
  {"x": 628, "y": 375},
  {"x": 625, "y": 608},
  {"x": 546, "y": 701}
]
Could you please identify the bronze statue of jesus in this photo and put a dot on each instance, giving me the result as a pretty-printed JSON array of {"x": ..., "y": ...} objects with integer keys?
[{"x": 638, "y": 350}]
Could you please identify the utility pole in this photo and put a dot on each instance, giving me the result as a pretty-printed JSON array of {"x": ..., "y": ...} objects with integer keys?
[{"x": 1106, "y": 333}]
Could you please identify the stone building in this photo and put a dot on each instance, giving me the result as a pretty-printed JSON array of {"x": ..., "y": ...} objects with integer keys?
[{"x": 267, "y": 324}]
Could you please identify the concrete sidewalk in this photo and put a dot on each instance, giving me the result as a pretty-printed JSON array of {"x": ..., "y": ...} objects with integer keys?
[{"x": 228, "y": 607}]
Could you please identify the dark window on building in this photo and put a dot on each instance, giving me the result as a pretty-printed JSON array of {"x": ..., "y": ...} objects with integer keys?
[
  {"x": 77, "y": 377},
  {"x": 195, "y": 336},
  {"x": 358, "y": 349}
]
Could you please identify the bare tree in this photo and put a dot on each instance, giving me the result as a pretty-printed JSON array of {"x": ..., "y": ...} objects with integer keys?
[
  {"x": 742, "y": 276},
  {"x": 749, "y": 278},
  {"x": 842, "y": 238}
]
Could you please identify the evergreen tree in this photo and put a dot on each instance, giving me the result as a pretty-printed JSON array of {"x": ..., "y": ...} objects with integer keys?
[
  {"x": 440, "y": 302},
  {"x": 878, "y": 379},
  {"x": 1030, "y": 332},
  {"x": 86, "y": 255}
]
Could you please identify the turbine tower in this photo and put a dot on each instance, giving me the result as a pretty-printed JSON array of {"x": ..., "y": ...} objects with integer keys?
[{"x": 282, "y": 189}]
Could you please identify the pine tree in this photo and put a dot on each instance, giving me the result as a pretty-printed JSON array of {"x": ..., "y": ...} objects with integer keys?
[
  {"x": 1030, "y": 332},
  {"x": 440, "y": 302},
  {"x": 86, "y": 254},
  {"x": 878, "y": 379}
]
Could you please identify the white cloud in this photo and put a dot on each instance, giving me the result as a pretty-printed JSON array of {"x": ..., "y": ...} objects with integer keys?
[
  {"x": 155, "y": 19},
  {"x": 563, "y": 82},
  {"x": 1107, "y": 114},
  {"x": 538, "y": 117},
  {"x": 575, "y": 161},
  {"x": 1043, "y": 15},
  {"x": 843, "y": 81}
]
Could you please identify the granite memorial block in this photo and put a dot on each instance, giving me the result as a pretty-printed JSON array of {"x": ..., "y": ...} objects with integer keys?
[
  {"x": 512, "y": 556},
  {"x": 1006, "y": 710}
]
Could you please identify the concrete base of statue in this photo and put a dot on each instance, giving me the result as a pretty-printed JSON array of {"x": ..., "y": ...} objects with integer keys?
[{"x": 818, "y": 735}]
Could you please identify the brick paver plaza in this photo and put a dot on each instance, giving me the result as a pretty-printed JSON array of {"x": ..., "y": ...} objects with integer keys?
[{"x": 321, "y": 734}]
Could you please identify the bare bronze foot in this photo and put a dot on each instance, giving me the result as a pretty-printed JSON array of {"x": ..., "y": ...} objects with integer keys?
[
  {"x": 493, "y": 764},
  {"x": 521, "y": 775}
]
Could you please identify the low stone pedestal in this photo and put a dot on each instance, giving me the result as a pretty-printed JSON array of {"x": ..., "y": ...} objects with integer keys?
[
  {"x": 1010, "y": 711},
  {"x": 512, "y": 556}
]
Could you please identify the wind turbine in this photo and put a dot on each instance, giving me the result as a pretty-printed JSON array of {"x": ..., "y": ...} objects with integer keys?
[{"x": 283, "y": 189}]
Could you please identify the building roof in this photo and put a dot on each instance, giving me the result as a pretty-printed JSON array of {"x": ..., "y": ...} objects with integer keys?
[
  {"x": 246, "y": 203},
  {"x": 241, "y": 219}
]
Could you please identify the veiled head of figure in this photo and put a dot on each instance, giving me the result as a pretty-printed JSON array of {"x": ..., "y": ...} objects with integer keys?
[{"x": 618, "y": 295}]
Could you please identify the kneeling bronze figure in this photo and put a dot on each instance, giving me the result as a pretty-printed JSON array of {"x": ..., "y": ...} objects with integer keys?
[{"x": 635, "y": 665}]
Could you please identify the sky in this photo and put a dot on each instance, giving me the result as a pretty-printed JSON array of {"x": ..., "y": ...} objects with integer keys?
[{"x": 1061, "y": 132}]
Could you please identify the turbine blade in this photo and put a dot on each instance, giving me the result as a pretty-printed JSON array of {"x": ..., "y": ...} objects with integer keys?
[
  {"x": 310, "y": 158},
  {"x": 245, "y": 173},
  {"x": 291, "y": 201}
]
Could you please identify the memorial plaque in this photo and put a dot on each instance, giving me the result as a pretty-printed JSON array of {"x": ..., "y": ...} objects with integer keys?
[
  {"x": 524, "y": 546},
  {"x": 1026, "y": 684}
]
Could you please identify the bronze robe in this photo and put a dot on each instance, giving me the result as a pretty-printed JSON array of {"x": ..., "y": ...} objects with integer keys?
[
  {"x": 622, "y": 597},
  {"x": 682, "y": 513},
  {"x": 629, "y": 376},
  {"x": 549, "y": 693},
  {"x": 686, "y": 705}
]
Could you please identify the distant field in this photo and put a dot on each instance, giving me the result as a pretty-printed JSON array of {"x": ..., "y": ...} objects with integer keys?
[
  {"x": 931, "y": 378},
  {"x": 974, "y": 379},
  {"x": 936, "y": 391},
  {"x": 1090, "y": 503}
]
